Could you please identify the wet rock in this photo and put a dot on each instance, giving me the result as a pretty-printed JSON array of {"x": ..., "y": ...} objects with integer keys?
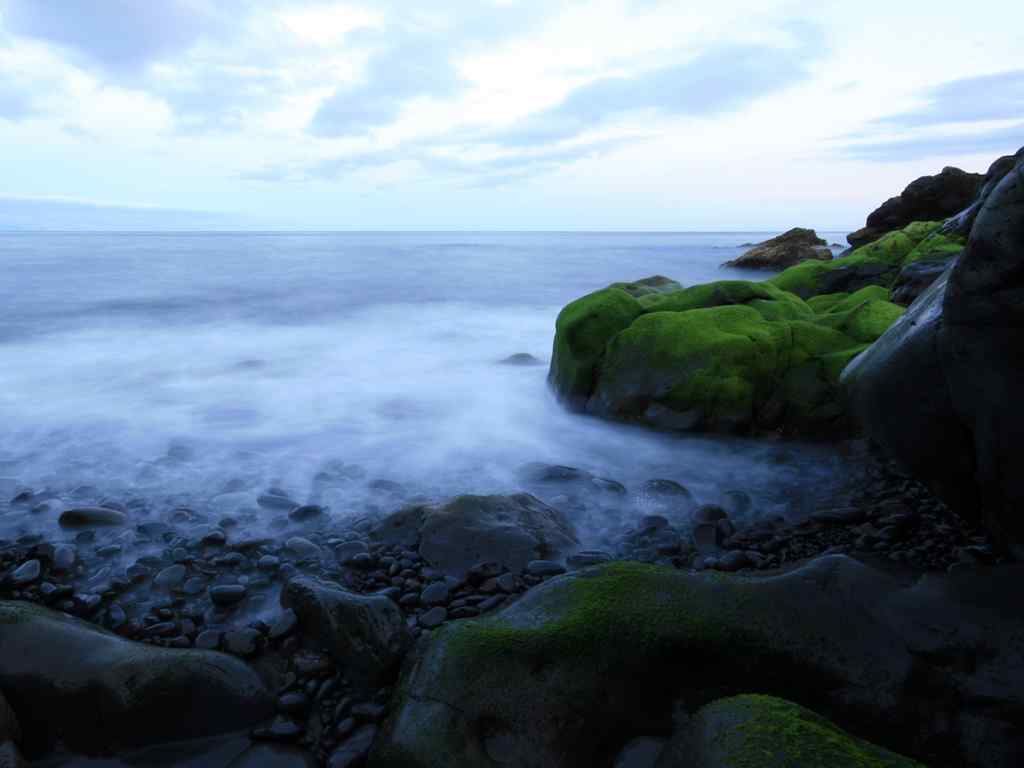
[
  {"x": 587, "y": 557},
  {"x": 433, "y": 618},
  {"x": 303, "y": 548},
  {"x": 170, "y": 577},
  {"x": 283, "y": 625},
  {"x": 435, "y": 594},
  {"x": 355, "y": 749},
  {"x": 350, "y": 549},
  {"x": 227, "y": 594},
  {"x": 365, "y": 634},
  {"x": 306, "y": 512},
  {"x": 26, "y": 573},
  {"x": 508, "y": 530},
  {"x": 544, "y": 568},
  {"x": 243, "y": 641},
  {"x": 92, "y": 517},
  {"x": 103, "y": 694},
  {"x": 275, "y": 501},
  {"x": 522, "y": 359}
]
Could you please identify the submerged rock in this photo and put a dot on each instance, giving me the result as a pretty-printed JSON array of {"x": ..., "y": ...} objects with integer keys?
[
  {"x": 521, "y": 358},
  {"x": 792, "y": 247},
  {"x": 574, "y": 669},
  {"x": 92, "y": 517},
  {"x": 102, "y": 694},
  {"x": 938, "y": 389},
  {"x": 508, "y": 530},
  {"x": 925, "y": 199}
]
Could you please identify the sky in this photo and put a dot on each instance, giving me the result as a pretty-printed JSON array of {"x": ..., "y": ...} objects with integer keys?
[{"x": 495, "y": 114}]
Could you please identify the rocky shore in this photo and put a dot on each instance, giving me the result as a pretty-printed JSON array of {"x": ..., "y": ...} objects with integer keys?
[{"x": 881, "y": 628}]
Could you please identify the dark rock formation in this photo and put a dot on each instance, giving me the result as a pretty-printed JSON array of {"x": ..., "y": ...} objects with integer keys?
[
  {"x": 938, "y": 390},
  {"x": 96, "y": 693},
  {"x": 962, "y": 223},
  {"x": 511, "y": 531},
  {"x": 785, "y": 250},
  {"x": 579, "y": 667},
  {"x": 929, "y": 198}
]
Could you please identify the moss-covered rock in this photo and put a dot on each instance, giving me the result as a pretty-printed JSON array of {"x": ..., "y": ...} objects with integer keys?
[
  {"x": 755, "y": 731},
  {"x": 582, "y": 331},
  {"x": 577, "y": 667},
  {"x": 877, "y": 263}
]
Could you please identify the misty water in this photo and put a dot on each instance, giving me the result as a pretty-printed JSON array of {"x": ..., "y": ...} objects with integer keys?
[{"x": 197, "y": 370}]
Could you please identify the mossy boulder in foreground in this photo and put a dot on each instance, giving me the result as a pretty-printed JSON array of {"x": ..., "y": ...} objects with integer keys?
[
  {"x": 731, "y": 356},
  {"x": 754, "y": 731},
  {"x": 96, "y": 693},
  {"x": 578, "y": 667}
]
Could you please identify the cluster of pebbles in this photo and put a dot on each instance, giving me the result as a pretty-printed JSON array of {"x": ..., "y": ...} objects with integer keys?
[{"x": 177, "y": 579}]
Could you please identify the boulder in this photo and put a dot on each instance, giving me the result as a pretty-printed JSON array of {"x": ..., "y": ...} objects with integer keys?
[
  {"x": 508, "y": 530},
  {"x": 937, "y": 389},
  {"x": 962, "y": 223},
  {"x": 792, "y": 247},
  {"x": 769, "y": 732},
  {"x": 928, "y": 198},
  {"x": 578, "y": 667},
  {"x": 101, "y": 693},
  {"x": 365, "y": 634},
  {"x": 730, "y": 356}
]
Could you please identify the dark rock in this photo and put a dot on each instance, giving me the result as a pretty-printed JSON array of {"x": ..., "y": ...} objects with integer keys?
[
  {"x": 934, "y": 389},
  {"x": 433, "y": 618},
  {"x": 521, "y": 358},
  {"x": 544, "y": 568},
  {"x": 508, "y": 530},
  {"x": 587, "y": 557},
  {"x": 365, "y": 634},
  {"x": 92, "y": 517},
  {"x": 350, "y": 549},
  {"x": 784, "y": 250},
  {"x": 26, "y": 573},
  {"x": 893, "y": 659},
  {"x": 103, "y": 694},
  {"x": 355, "y": 749},
  {"x": 276, "y": 501},
  {"x": 274, "y": 756},
  {"x": 640, "y": 753},
  {"x": 306, "y": 512},
  {"x": 435, "y": 594},
  {"x": 227, "y": 594},
  {"x": 914, "y": 279},
  {"x": 929, "y": 198},
  {"x": 171, "y": 577},
  {"x": 283, "y": 625},
  {"x": 242, "y": 641},
  {"x": 963, "y": 222}
]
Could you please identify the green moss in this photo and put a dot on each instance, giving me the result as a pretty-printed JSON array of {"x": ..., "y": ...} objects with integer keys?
[
  {"x": 582, "y": 331},
  {"x": 875, "y": 263},
  {"x": 649, "y": 287},
  {"x": 754, "y": 731},
  {"x": 728, "y": 292},
  {"x": 936, "y": 247}
]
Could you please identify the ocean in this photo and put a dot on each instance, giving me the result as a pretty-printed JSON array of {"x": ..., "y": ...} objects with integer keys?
[{"x": 200, "y": 369}]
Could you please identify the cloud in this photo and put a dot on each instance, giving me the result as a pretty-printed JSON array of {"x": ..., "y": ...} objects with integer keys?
[
  {"x": 722, "y": 79},
  {"x": 1000, "y": 140},
  {"x": 121, "y": 36},
  {"x": 15, "y": 103},
  {"x": 997, "y": 96}
]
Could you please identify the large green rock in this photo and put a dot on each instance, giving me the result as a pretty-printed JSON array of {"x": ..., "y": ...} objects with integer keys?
[
  {"x": 581, "y": 665},
  {"x": 753, "y": 731},
  {"x": 732, "y": 356},
  {"x": 96, "y": 693}
]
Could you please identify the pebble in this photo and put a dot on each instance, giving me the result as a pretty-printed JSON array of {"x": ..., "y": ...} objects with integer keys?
[
  {"x": 170, "y": 577},
  {"x": 355, "y": 749},
  {"x": 303, "y": 548},
  {"x": 292, "y": 703},
  {"x": 349, "y": 549},
  {"x": 241, "y": 642},
  {"x": 87, "y": 517},
  {"x": 227, "y": 594},
  {"x": 305, "y": 512},
  {"x": 275, "y": 501},
  {"x": 433, "y": 618},
  {"x": 283, "y": 625},
  {"x": 435, "y": 594},
  {"x": 209, "y": 640},
  {"x": 268, "y": 563},
  {"x": 215, "y": 539},
  {"x": 27, "y": 573}
]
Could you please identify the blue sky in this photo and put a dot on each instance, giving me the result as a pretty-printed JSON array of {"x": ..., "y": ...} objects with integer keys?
[{"x": 495, "y": 114}]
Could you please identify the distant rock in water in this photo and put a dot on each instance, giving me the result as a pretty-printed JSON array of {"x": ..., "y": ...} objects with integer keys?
[
  {"x": 521, "y": 358},
  {"x": 787, "y": 249},
  {"x": 929, "y": 198}
]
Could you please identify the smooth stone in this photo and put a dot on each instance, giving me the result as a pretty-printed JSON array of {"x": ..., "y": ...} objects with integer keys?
[
  {"x": 209, "y": 639},
  {"x": 292, "y": 703},
  {"x": 87, "y": 517},
  {"x": 301, "y": 547},
  {"x": 227, "y": 594},
  {"x": 27, "y": 573},
  {"x": 350, "y": 549},
  {"x": 170, "y": 577},
  {"x": 283, "y": 625},
  {"x": 268, "y": 563},
  {"x": 274, "y": 756},
  {"x": 433, "y": 618},
  {"x": 274, "y": 501},
  {"x": 355, "y": 748},
  {"x": 241, "y": 642},
  {"x": 435, "y": 594},
  {"x": 521, "y": 358},
  {"x": 306, "y": 512},
  {"x": 544, "y": 568}
]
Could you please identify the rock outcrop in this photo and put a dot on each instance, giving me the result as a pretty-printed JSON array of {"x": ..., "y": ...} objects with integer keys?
[
  {"x": 72, "y": 683},
  {"x": 365, "y": 634},
  {"x": 938, "y": 389},
  {"x": 928, "y": 198},
  {"x": 792, "y": 247},
  {"x": 511, "y": 531},
  {"x": 730, "y": 356},
  {"x": 582, "y": 665}
]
